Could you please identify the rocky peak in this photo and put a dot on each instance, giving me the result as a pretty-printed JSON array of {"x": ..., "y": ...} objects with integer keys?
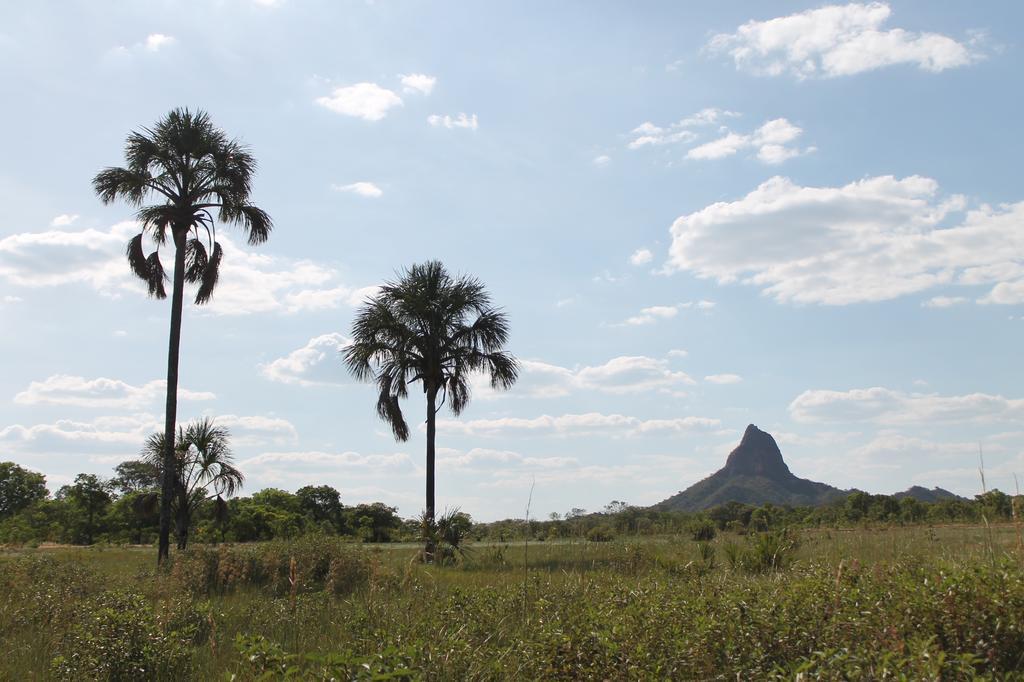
[{"x": 757, "y": 455}]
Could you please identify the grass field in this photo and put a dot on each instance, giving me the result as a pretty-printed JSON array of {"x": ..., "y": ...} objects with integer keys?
[{"x": 899, "y": 603}]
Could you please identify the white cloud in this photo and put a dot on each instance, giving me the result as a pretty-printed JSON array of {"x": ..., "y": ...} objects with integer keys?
[
  {"x": 678, "y": 353},
  {"x": 620, "y": 375},
  {"x": 887, "y": 406},
  {"x": 120, "y": 430},
  {"x": 871, "y": 240},
  {"x": 649, "y": 134},
  {"x": 461, "y": 120},
  {"x": 641, "y": 257},
  {"x": 723, "y": 378},
  {"x": 602, "y": 160},
  {"x": 457, "y": 460},
  {"x": 769, "y": 140},
  {"x": 299, "y": 467},
  {"x": 837, "y": 41},
  {"x": 63, "y": 389},
  {"x": 317, "y": 363},
  {"x": 589, "y": 424},
  {"x": 363, "y": 189},
  {"x": 944, "y": 301},
  {"x": 255, "y": 430},
  {"x": 367, "y": 101},
  {"x": 250, "y": 282},
  {"x": 63, "y": 220},
  {"x": 652, "y": 314},
  {"x": 418, "y": 82},
  {"x": 157, "y": 41}
]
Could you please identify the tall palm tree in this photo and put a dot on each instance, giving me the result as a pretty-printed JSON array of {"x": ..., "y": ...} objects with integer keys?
[
  {"x": 202, "y": 460},
  {"x": 432, "y": 328},
  {"x": 190, "y": 170}
]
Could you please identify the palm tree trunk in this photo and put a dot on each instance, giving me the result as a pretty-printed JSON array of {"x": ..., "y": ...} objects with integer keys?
[
  {"x": 431, "y": 433},
  {"x": 170, "y": 416}
]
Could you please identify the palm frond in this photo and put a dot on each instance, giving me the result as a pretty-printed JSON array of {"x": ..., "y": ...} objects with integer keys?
[
  {"x": 156, "y": 276},
  {"x": 129, "y": 185},
  {"x": 196, "y": 260},
  {"x": 137, "y": 258},
  {"x": 210, "y": 276}
]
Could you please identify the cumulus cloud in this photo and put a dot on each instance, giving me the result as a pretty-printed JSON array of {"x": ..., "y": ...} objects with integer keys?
[
  {"x": 63, "y": 220},
  {"x": 113, "y": 430},
  {"x": 317, "y": 363},
  {"x": 871, "y": 240},
  {"x": 256, "y": 430},
  {"x": 477, "y": 458},
  {"x": 652, "y": 314},
  {"x": 641, "y": 257},
  {"x": 63, "y": 389},
  {"x": 418, "y": 82},
  {"x": 619, "y": 376},
  {"x": 886, "y": 406},
  {"x": 602, "y": 160},
  {"x": 723, "y": 378},
  {"x": 367, "y": 101},
  {"x": 648, "y": 134},
  {"x": 250, "y": 282},
  {"x": 302, "y": 466},
  {"x": 589, "y": 424},
  {"x": 363, "y": 189},
  {"x": 944, "y": 301},
  {"x": 460, "y": 120},
  {"x": 771, "y": 141},
  {"x": 837, "y": 40},
  {"x": 157, "y": 41}
]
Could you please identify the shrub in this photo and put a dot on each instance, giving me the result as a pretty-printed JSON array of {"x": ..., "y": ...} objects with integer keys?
[
  {"x": 703, "y": 530},
  {"x": 118, "y": 637},
  {"x": 307, "y": 564},
  {"x": 600, "y": 533},
  {"x": 263, "y": 659}
]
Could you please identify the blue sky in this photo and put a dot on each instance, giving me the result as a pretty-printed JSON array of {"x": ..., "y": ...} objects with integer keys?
[{"x": 805, "y": 217}]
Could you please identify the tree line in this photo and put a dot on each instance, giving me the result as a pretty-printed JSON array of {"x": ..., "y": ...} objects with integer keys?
[{"x": 114, "y": 510}]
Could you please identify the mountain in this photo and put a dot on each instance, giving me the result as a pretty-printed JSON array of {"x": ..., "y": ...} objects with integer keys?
[
  {"x": 754, "y": 473},
  {"x": 924, "y": 495}
]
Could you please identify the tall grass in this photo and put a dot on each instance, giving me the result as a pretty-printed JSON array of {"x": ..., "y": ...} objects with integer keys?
[{"x": 917, "y": 603}]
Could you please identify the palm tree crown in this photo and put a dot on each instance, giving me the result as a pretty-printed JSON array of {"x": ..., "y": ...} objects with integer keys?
[
  {"x": 202, "y": 460},
  {"x": 432, "y": 328},
  {"x": 436, "y": 329},
  {"x": 193, "y": 170}
]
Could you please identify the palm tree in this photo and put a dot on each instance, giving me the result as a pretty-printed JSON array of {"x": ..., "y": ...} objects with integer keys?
[
  {"x": 202, "y": 460},
  {"x": 432, "y": 328},
  {"x": 190, "y": 169}
]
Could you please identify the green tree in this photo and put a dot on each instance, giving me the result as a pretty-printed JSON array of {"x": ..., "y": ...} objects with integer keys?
[
  {"x": 90, "y": 495},
  {"x": 202, "y": 460},
  {"x": 322, "y": 504},
  {"x": 136, "y": 475},
  {"x": 433, "y": 328},
  {"x": 191, "y": 169},
  {"x": 19, "y": 488}
]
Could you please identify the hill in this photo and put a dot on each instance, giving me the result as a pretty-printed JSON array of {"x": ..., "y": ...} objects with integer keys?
[
  {"x": 754, "y": 473},
  {"x": 922, "y": 494}
]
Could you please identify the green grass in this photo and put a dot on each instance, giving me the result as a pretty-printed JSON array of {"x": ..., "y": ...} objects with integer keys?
[{"x": 901, "y": 603}]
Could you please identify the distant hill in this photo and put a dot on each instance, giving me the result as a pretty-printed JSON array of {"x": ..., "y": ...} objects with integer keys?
[
  {"x": 924, "y": 495},
  {"x": 754, "y": 473}
]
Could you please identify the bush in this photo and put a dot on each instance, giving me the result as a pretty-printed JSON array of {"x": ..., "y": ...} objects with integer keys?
[
  {"x": 308, "y": 564},
  {"x": 600, "y": 534},
  {"x": 118, "y": 637},
  {"x": 703, "y": 530},
  {"x": 265, "y": 660}
]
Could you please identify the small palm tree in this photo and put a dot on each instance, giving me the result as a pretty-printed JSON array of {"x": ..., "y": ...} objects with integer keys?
[
  {"x": 202, "y": 460},
  {"x": 432, "y": 328},
  {"x": 192, "y": 170}
]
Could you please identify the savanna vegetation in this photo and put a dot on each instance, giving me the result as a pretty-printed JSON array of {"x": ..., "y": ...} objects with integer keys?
[
  {"x": 300, "y": 585},
  {"x": 912, "y": 602}
]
